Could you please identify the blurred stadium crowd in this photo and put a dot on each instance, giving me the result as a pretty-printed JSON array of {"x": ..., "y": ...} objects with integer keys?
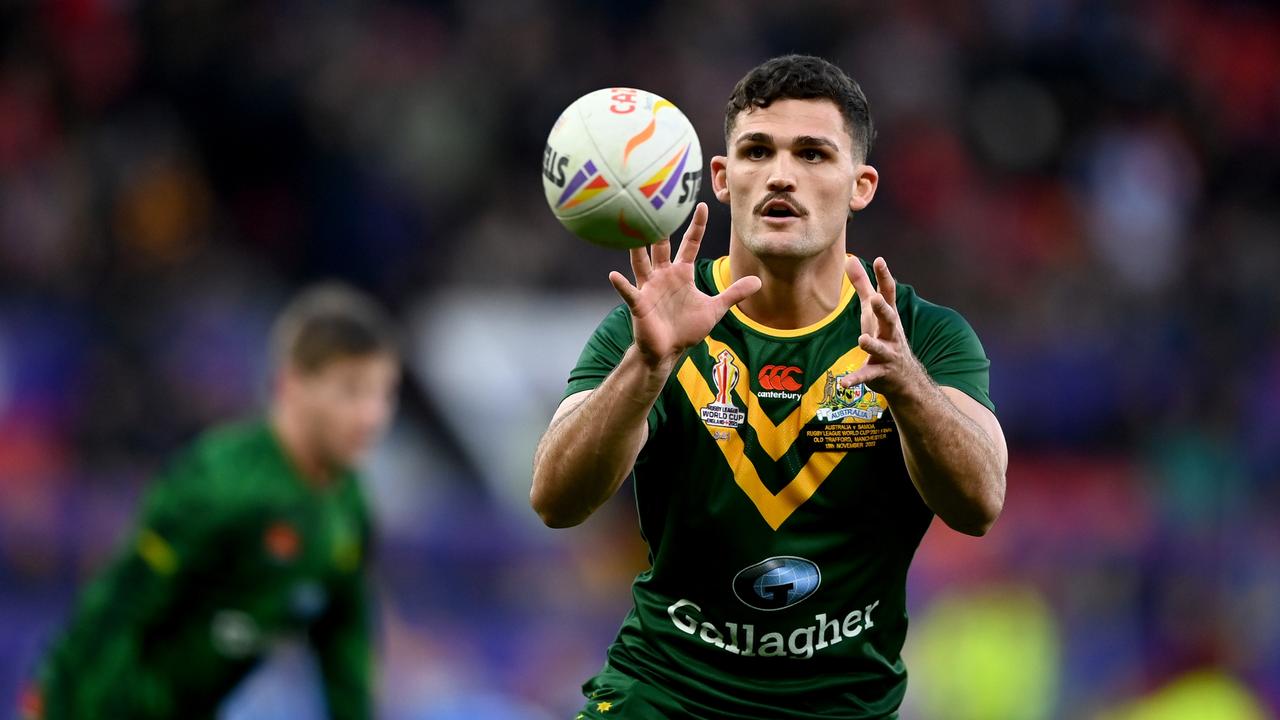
[{"x": 1095, "y": 185}]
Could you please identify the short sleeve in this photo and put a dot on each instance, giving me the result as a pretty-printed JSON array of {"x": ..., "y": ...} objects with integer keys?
[
  {"x": 950, "y": 351},
  {"x": 602, "y": 353}
]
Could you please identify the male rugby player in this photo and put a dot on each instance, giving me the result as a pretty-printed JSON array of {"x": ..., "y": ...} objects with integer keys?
[
  {"x": 794, "y": 419},
  {"x": 258, "y": 531}
]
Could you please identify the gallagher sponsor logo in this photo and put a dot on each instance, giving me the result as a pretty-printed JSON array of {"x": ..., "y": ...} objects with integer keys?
[
  {"x": 777, "y": 583},
  {"x": 747, "y": 639}
]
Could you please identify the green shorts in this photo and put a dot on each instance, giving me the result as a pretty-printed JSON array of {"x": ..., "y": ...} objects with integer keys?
[{"x": 612, "y": 695}]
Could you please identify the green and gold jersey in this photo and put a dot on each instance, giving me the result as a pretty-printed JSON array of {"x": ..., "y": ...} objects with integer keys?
[
  {"x": 778, "y": 511},
  {"x": 234, "y": 550}
]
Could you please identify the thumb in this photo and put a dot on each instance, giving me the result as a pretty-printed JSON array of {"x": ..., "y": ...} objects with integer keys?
[{"x": 741, "y": 289}]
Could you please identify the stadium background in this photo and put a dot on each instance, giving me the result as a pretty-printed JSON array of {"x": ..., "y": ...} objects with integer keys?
[{"x": 1094, "y": 185}]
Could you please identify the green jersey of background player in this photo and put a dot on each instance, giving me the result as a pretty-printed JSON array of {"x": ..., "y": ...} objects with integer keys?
[
  {"x": 794, "y": 418},
  {"x": 256, "y": 532}
]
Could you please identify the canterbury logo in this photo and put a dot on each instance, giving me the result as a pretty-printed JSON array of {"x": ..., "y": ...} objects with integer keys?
[{"x": 778, "y": 377}]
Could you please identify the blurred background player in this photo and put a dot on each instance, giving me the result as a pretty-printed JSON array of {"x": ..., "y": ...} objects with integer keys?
[
  {"x": 255, "y": 533},
  {"x": 781, "y": 518}
]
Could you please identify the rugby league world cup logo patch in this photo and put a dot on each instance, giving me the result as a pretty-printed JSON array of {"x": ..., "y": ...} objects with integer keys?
[{"x": 721, "y": 412}]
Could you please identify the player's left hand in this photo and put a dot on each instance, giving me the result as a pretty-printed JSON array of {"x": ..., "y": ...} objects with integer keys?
[{"x": 891, "y": 366}]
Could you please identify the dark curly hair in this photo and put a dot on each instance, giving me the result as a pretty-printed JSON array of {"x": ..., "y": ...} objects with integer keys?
[{"x": 803, "y": 77}]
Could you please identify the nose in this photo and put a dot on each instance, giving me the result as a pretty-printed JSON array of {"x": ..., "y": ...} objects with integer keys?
[{"x": 782, "y": 176}]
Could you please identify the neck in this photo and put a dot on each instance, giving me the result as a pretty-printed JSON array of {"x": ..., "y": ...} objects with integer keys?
[
  {"x": 794, "y": 292},
  {"x": 299, "y": 448}
]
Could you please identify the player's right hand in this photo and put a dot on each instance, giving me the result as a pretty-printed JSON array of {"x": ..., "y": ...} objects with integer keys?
[{"x": 669, "y": 314}]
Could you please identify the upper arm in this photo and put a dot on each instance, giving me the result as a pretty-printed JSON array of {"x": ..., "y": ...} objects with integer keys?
[
  {"x": 948, "y": 348},
  {"x": 181, "y": 516},
  {"x": 141, "y": 582},
  {"x": 983, "y": 418}
]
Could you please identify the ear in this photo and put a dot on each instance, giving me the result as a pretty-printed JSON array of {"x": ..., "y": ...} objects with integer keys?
[
  {"x": 720, "y": 178},
  {"x": 864, "y": 187},
  {"x": 283, "y": 381},
  {"x": 290, "y": 382}
]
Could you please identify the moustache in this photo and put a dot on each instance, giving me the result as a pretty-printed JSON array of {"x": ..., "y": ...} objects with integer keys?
[{"x": 783, "y": 196}]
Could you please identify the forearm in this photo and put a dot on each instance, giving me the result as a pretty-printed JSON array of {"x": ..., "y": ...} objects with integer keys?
[
  {"x": 957, "y": 466},
  {"x": 585, "y": 455}
]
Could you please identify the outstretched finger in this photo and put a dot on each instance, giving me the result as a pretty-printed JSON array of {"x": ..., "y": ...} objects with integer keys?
[
  {"x": 868, "y": 372},
  {"x": 888, "y": 286},
  {"x": 688, "y": 251},
  {"x": 741, "y": 289},
  {"x": 858, "y": 276},
  {"x": 628, "y": 292},
  {"x": 640, "y": 266},
  {"x": 885, "y": 314},
  {"x": 660, "y": 253},
  {"x": 862, "y": 285},
  {"x": 877, "y": 350}
]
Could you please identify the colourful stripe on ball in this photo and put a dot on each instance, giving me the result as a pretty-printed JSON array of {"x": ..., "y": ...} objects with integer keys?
[
  {"x": 625, "y": 228},
  {"x": 593, "y": 188},
  {"x": 671, "y": 181},
  {"x": 669, "y": 173},
  {"x": 577, "y": 182},
  {"x": 639, "y": 138},
  {"x": 651, "y": 185}
]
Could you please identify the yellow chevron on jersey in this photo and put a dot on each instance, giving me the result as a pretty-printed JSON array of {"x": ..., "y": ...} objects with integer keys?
[
  {"x": 775, "y": 509},
  {"x": 777, "y": 439}
]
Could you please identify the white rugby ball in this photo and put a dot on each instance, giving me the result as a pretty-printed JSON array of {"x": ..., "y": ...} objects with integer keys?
[{"x": 622, "y": 167}]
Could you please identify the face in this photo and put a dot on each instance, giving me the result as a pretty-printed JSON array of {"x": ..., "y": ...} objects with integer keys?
[
  {"x": 791, "y": 177},
  {"x": 345, "y": 405}
]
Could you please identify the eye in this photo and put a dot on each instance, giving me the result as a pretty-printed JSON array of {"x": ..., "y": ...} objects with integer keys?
[
  {"x": 812, "y": 155},
  {"x": 756, "y": 152}
]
